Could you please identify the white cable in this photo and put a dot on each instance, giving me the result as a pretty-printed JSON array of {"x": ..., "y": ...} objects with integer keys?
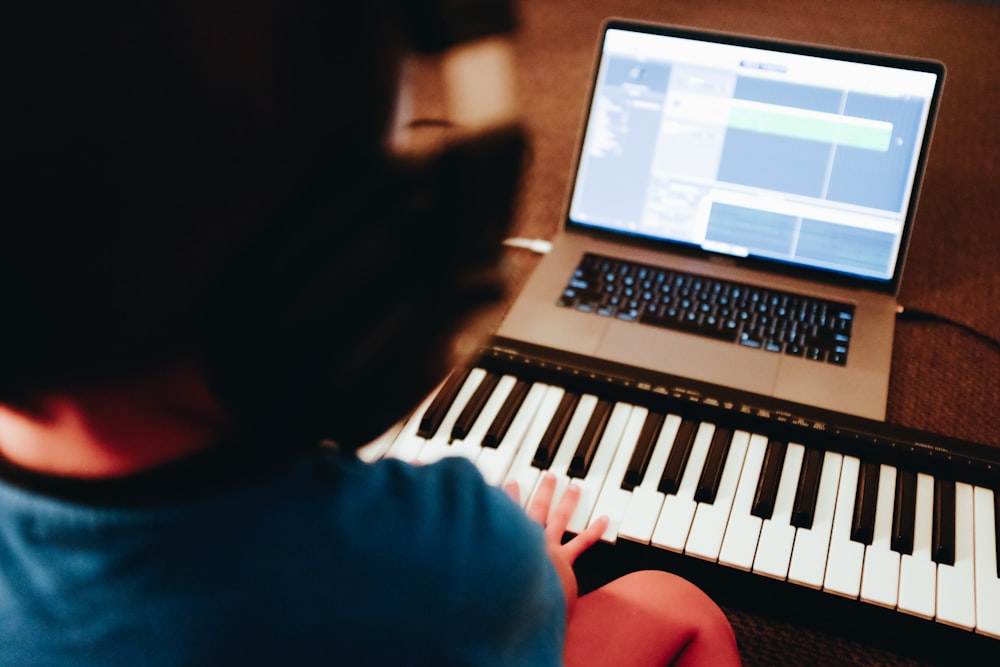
[{"x": 540, "y": 246}]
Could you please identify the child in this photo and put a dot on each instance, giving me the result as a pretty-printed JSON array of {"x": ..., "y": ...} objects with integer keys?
[{"x": 195, "y": 271}]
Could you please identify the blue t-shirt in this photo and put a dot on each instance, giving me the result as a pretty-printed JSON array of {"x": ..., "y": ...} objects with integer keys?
[{"x": 327, "y": 560}]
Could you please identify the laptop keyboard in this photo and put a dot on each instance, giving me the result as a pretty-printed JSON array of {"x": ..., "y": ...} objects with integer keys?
[{"x": 756, "y": 317}]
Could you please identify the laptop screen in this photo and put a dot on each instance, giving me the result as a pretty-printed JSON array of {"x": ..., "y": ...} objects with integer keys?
[{"x": 802, "y": 155}]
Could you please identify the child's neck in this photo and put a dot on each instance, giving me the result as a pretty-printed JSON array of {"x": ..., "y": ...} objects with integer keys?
[{"x": 115, "y": 429}]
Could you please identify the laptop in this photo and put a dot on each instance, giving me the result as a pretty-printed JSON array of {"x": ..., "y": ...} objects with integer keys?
[{"x": 739, "y": 214}]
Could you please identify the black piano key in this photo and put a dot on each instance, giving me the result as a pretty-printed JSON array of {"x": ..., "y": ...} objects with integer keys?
[
  {"x": 679, "y": 453},
  {"x": 943, "y": 531},
  {"x": 555, "y": 431},
  {"x": 863, "y": 521},
  {"x": 474, "y": 406},
  {"x": 643, "y": 450},
  {"x": 807, "y": 490},
  {"x": 584, "y": 455},
  {"x": 767, "y": 484},
  {"x": 996, "y": 525},
  {"x": 434, "y": 415},
  {"x": 711, "y": 472},
  {"x": 498, "y": 429},
  {"x": 904, "y": 512}
]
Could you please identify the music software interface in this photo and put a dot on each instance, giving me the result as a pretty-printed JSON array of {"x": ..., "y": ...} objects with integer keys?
[{"x": 751, "y": 152}]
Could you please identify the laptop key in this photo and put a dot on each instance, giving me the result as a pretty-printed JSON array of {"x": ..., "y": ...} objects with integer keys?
[{"x": 794, "y": 349}]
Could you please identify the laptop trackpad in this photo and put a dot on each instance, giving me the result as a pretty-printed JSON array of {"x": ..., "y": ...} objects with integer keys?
[{"x": 691, "y": 356}]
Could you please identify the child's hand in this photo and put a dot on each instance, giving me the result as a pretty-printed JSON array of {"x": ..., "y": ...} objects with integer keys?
[{"x": 555, "y": 521}]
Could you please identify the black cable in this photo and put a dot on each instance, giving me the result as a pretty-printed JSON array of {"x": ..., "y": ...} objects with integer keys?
[{"x": 919, "y": 315}]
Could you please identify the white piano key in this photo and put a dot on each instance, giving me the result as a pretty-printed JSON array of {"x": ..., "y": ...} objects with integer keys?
[
  {"x": 566, "y": 447},
  {"x": 843, "y": 567},
  {"x": 471, "y": 445},
  {"x": 495, "y": 463},
  {"x": 987, "y": 581},
  {"x": 521, "y": 469},
  {"x": 812, "y": 545},
  {"x": 407, "y": 444},
  {"x": 777, "y": 534},
  {"x": 613, "y": 500},
  {"x": 641, "y": 515},
  {"x": 917, "y": 571},
  {"x": 646, "y": 501},
  {"x": 710, "y": 520},
  {"x": 439, "y": 445},
  {"x": 380, "y": 446},
  {"x": 678, "y": 509},
  {"x": 956, "y": 590},
  {"x": 591, "y": 484},
  {"x": 880, "y": 573},
  {"x": 743, "y": 531}
]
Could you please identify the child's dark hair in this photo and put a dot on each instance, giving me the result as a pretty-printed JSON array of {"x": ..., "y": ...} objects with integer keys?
[{"x": 142, "y": 141}]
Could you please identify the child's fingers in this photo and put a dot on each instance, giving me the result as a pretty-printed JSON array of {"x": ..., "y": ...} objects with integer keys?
[
  {"x": 538, "y": 508},
  {"x": 561, "y": 514},
  {"x": 513, "y": 489},
  {"x": 586, "y": 539},
  {"x": 556, "y": 519}
]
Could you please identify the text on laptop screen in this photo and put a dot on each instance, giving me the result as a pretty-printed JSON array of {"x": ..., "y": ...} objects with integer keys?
[{"x": 754, "y": 153}]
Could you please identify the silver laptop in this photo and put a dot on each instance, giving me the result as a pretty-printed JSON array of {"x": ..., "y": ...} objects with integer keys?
[{"x": 739, "y": 214}]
